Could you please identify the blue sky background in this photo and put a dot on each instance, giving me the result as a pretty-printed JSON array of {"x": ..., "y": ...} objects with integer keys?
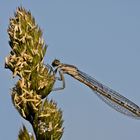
[{"x": 102, "y": 38}]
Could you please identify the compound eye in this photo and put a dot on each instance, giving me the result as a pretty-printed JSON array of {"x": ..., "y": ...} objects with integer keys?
[{"x": 55, "y": 63}]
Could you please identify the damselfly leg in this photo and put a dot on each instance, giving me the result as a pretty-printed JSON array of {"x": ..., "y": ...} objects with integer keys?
[{"x": 60, "y": 78}]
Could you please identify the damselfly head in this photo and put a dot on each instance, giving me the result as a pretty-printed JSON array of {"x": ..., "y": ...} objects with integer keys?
[{"x": 56, "y": 63}]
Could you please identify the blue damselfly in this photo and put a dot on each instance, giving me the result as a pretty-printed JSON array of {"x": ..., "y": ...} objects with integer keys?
[{"x": 109, "y": 96}]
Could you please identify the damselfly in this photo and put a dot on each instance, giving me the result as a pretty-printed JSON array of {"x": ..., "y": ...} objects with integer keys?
[{"x": 109, "y": 96}]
